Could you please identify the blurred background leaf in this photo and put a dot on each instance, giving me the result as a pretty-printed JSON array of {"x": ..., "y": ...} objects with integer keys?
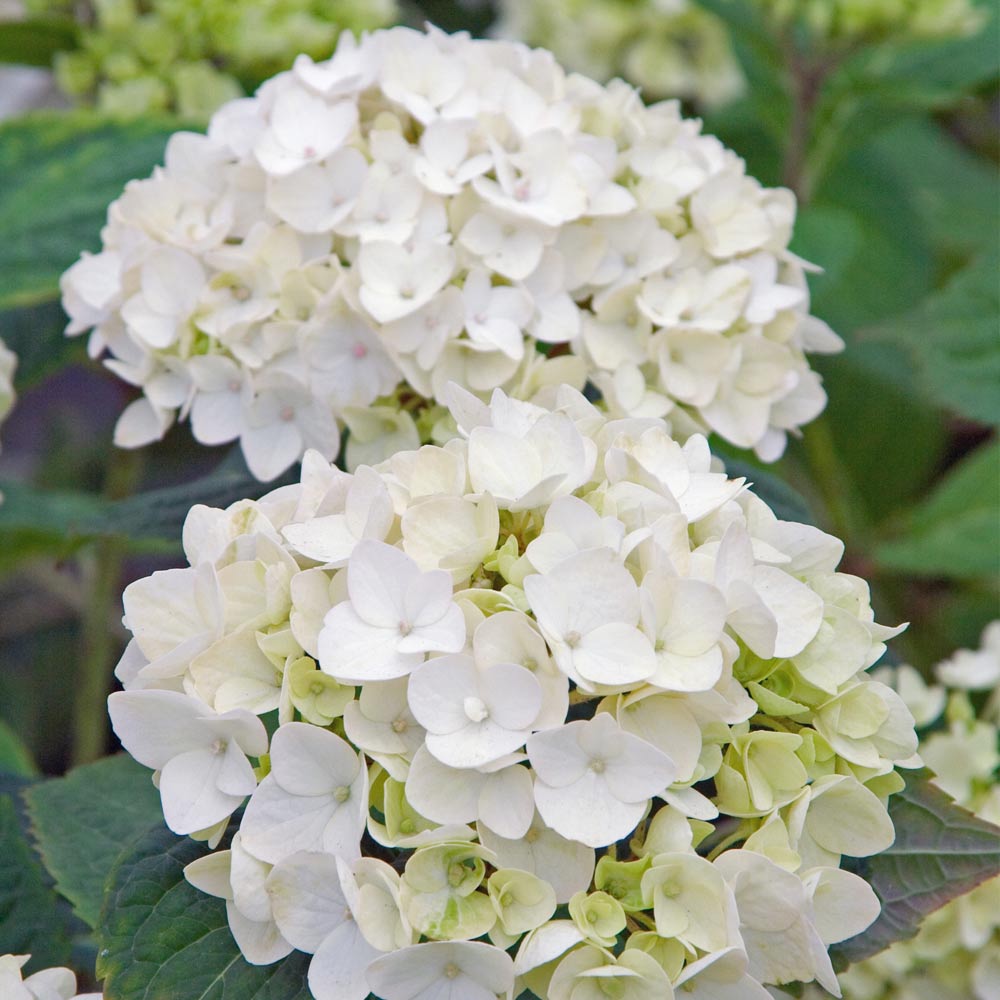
[{"x": 60, "y": 171}]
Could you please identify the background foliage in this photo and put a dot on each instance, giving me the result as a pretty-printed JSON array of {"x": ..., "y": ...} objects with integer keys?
[{"x": 892, "y": 148}]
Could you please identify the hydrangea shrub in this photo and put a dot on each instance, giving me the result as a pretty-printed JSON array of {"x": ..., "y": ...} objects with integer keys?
[
  {"x": 426, "y": 208},
  {"x": 138, "y": 57},
  {"x": 554, "y": 704},
  {"x": 667, "y": 48},
  {"x": 852, "y": 21}
]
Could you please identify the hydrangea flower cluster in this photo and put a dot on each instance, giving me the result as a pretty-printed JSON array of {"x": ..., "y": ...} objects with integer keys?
[
  {"x": 667, "y": 48},
  {"x": 49, "y": 984},
  {"x": 8, "y": 365},
  {"x": 874, "y": 20},
  {"x": 190, "y": 56},
  {"x": 607, "y": 716},
  {"x": 956, "y": 953},
  {"x": 426, "y": 208}
]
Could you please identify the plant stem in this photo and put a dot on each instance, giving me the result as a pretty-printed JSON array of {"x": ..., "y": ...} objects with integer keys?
[
  {"x": 101, "y": 569},
  {"x": 833, "y": 482}
]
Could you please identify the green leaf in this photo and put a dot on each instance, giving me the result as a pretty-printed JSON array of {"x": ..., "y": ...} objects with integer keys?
[
  {"x": 952, "y": 339},
  {"x": 162, "y": 939},
  {"x": 955, "y": 192},
  {"x": 956, "y": 531},
  {"x": 15, "y": 757},
  {"x": 80, "y": 822},
  {"x": 60, "y": 171},
  {"x": 57, "y": 522},
  {"x": 866, "y": 233},
  {"x": 881, "y": 81},
  {"x": 787, "y": 503},
  {"x": 34, "y": 521},
  {"x": 941, "y": 851},
  {"x": 871, "y": 396},
  {"x": 159, "y": 514},
  {"x": 930, "y": 73},
  {"x": 35, "y": 335},
  {"x": 31, "y": 921},
  {"x": 34, "y": 43}
]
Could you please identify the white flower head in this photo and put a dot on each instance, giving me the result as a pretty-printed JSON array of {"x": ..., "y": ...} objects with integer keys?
[
  {"x": 422, "y": 208},
  {"x": 550, "y": 691}
]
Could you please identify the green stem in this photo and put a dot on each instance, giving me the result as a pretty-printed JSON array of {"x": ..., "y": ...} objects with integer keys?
[
  {"x": 832, "y": 481},
  {"x": 101, "y": 568}
]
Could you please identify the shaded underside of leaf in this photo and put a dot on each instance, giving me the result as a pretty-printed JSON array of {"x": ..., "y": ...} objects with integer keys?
[
  {"x": 941, "y": 851},
  {"x": 81, "y": 821},
  {"x": 162, "y": 939}
]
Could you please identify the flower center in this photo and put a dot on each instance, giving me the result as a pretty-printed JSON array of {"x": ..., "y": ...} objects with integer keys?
[
  {"x": 309, "y": 152},
  {"x": 451, "y": 970},
  {"x": 219, "y": 746},
  {"x": 405, "y": 628},
  {"x": 287, "y": 414},
  {"x": 342, "y": 793},
  {"x": 598, "y": 766},
  {"x": 359, "y": 351},
  {"x": 399, "y": 725},
  {"x": 572, "y": 638},
  {"x": 475, "y": 709}
]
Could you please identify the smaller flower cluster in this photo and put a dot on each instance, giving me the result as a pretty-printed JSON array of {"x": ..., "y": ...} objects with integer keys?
[
  {"x": 8, "y": 365},
  {"x": 956, "y": 953},
  {"x": 603, "y": 711},
  {"x": 49, "y": 984},
  {"x": 847, "y": 21},
  {"x": 426, "y": 208},
  {"x": 191, "y": 56},
  {"x": 667, "y": 48}
]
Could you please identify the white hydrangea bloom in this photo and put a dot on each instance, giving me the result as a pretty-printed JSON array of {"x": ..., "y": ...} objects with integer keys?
[
  {"x": 425, "y": 208},
  {"x": 974, "y": 670},
  {"x": 956, "y": 952},
  {"x": 48, "y": 984},
  {"x": 531, "y": 685}
]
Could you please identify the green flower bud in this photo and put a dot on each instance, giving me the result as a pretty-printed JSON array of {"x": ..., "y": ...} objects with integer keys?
[
  {"x": 438, "y": 892},
  {"x": 134, "y": 97},
  {"x": 200, "y": 88},
  {"x": 622, "y": 880},
  {"x": 318, "y": 698},
  {"x": 599, "y": 917},
  {"x": 761, "y": 771},
  {"x": 522, "y": 900}
]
